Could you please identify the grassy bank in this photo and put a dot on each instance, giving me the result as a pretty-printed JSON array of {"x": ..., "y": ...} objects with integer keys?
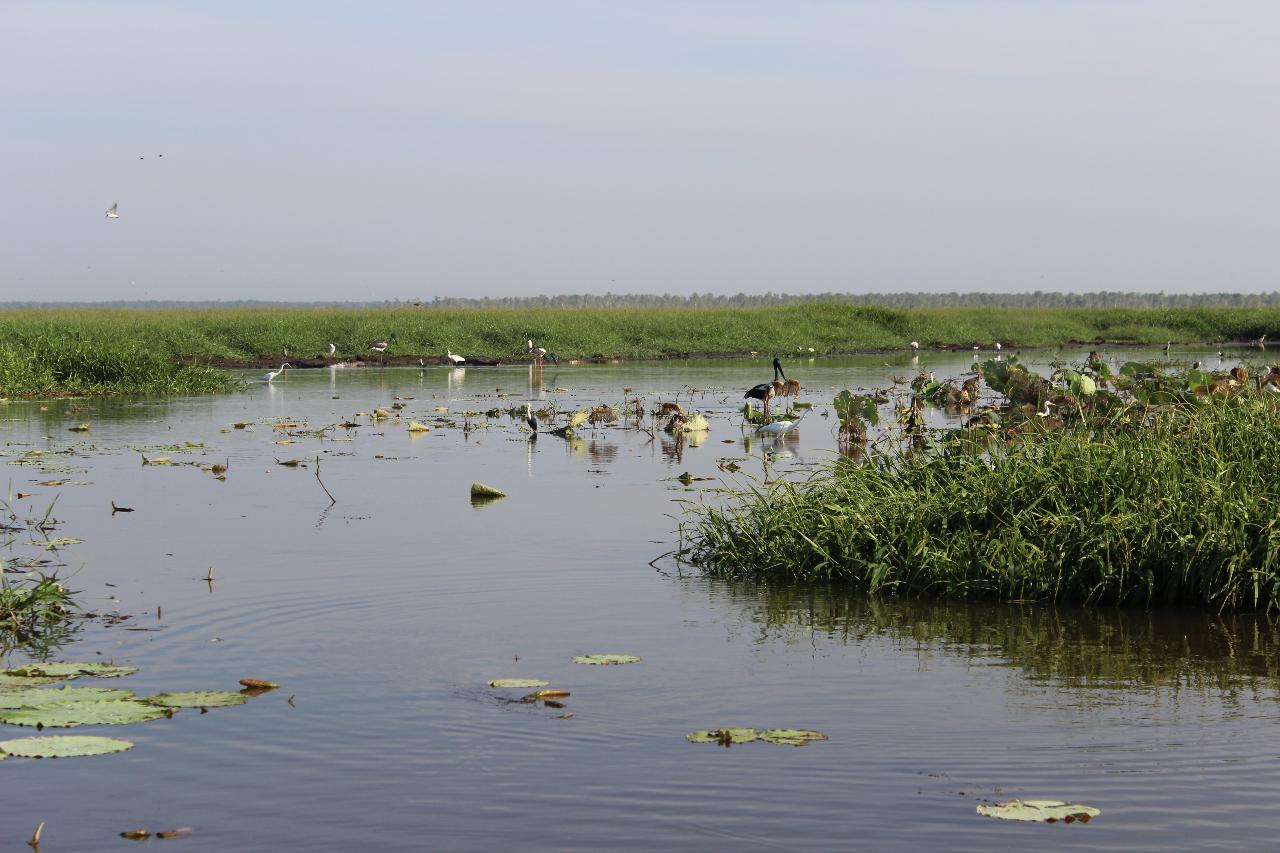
[
  {"x": 99, "y": 351},
  {"x": 1175, "y": 509}
]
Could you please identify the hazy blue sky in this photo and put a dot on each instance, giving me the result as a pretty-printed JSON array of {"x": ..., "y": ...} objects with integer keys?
[{"x": 319, "y": 150}]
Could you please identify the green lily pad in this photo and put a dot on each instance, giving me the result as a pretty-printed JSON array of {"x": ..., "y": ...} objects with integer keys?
[
  {"x": 606, "y": 660},
  {"x": 30, "y": 697},
  {"x": 480, "y": 490},
  {"x": 791, "y": 737},
  {"x": 724, "y": 737},
  {"x": 65, "y": 669},
  {"x": 68, "y": 715},
  {"x": 197, "y": 699},
  {"x": 63, "y": 746},
  {"x": 1046, "y": 811},
  {"x": 10, "y": 681},
  {"x": 518, "y": 682}
]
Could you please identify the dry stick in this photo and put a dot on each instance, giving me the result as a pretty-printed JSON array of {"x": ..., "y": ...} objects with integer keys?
[
  {"x": 35, "y": 836},
  {"x": 332, "y": 499}
]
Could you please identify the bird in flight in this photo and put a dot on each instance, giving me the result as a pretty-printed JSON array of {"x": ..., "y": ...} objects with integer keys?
[{"x": 111, "y": 211}]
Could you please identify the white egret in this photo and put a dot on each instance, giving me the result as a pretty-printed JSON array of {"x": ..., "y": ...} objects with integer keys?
[
  {"x": 781, "y": 427},
  {"x": 531, "y": 420},
  {"x": 915, "y": 345},
  {"x": 456, "y": 359},
  {"x": 272, "y": 374},
  {"x": 332, "y": 349},
  {"x": 111, "y": 211}
]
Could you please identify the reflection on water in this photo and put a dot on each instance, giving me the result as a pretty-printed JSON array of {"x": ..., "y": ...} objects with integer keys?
[{"x": 1071, "y": 647}]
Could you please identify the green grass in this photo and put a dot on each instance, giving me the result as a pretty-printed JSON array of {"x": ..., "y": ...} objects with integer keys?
[
  {"x": 94, "y": 351},
  {"x": 1184, "y": 510}
]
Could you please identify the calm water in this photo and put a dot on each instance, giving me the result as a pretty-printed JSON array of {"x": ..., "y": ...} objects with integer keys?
[{"x": 386, "y": 615}]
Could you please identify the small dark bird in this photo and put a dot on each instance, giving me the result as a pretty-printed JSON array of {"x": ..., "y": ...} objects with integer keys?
[{"x": 115, "y": 509}]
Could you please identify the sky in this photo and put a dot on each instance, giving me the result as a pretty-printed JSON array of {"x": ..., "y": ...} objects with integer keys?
[{"x": 365, "y": 151}]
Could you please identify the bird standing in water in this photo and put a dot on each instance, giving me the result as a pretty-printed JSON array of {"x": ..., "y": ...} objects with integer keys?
[
  {"x": 781, "y": 386},
  {"x": 272, "y": 374},
  {"x": 532, "y": 421}
]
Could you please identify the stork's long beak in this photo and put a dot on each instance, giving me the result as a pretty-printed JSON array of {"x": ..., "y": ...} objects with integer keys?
[{"x": 777, "y": 369}]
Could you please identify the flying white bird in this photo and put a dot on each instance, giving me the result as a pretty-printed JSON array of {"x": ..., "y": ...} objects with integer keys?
[{"x": 111, "y": 211}]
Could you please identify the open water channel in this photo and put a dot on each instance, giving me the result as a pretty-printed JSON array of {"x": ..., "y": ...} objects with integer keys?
[{"x": 384, "y": 616}]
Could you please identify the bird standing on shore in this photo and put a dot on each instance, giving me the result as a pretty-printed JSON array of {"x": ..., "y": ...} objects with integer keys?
[
  {"x": 380, "y": 347},
  {"x": 457, "y": 360},
  {"x": 332, "y": 349}
]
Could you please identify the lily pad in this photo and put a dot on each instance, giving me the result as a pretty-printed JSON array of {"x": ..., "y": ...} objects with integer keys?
[
  {"x": 1046, "y": 811},
  {"x": 68, "y": 715},
  {"x": 791, "y": 737},
  {"x": 30, "y": 697},
  {"x": 70, "y": 669},
  {"x": 196, "y": 699},
  {"x": 520, "y": 683},
  {"x": 417, "y": 426},
  {"x": 63, "y": 746},
  {"x": 9, "y": 680},
  {"x": 606, "y": 660},
  {"x": 724, "y": 737},
  {"x": 480, "y": 490}
]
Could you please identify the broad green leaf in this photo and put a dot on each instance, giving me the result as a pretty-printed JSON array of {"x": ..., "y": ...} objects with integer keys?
[
  {"x": 9, "y": 680},
  {"x": 68, "y": 715},
  {"x": 606, "y": 660},
  {"x": 578, "y": 418},
  {"x": 791, "y": 737},
  {"x": 63, "y": 746},
  {"x": 66, "y": 669},
  {"x": 480, "y": 490},
  {"x": 724, "y": 737},
  {"x": 30, "y": 697},
  {"x": 196, "y": 699},
  {"x": 521, "y": 683},
  {"x": 1050, "y": 811}
]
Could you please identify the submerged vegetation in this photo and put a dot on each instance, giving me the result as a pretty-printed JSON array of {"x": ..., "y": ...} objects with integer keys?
[
  {"x": 96, "y": 351},
  {"x": 1146, "y": 487}
]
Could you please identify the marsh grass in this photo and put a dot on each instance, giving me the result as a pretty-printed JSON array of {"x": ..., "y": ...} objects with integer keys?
[
  {"x": 167, "y": 351},
  {"x": 1181, "y": 510}
]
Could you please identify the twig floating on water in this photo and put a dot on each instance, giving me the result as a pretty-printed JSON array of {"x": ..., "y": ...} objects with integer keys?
[{"x": 332, "y": 499}]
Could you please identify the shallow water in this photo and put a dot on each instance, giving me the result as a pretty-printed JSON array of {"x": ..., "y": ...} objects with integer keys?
[{"x": 385, "y": 615}]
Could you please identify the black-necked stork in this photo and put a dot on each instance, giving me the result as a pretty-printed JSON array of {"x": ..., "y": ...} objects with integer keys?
[
  {"x": 766, "y": 391},
  {"x": 380, "y": 347},
  {"x": 539, "y": 353}
]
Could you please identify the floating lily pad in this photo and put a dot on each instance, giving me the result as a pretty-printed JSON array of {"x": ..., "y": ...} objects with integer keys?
[
  {"x": 417, "y": 426},
  {"x": 30, "y": 697},
  {"x": 481, "y": 491},
  {"x": 63, "y": 746},
  {"x": 521, "y": 683},
  {"x": 68, "y": 715},
  {"x": 66, "y": 669},
  {"x": 9, "y": 680},
  {"x": 197, "y": 699},
  {"x": 606, "y": 660},
  {"x": 791, "y": 737},
  {"x": 1046, "y": 811},
  {"x": 724, "y": 737}
]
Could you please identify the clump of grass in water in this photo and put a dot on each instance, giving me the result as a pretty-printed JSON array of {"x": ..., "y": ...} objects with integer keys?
[
  {"x": 35, "y": 613},
  {"x": 1181, "y": 511}
]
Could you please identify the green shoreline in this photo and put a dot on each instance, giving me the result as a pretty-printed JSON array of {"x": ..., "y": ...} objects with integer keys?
[{"x": 109, "y": 351}]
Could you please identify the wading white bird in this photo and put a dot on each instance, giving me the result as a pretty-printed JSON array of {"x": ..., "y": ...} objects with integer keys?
[
  {"x": 272, "y": 374},
  {"x": 111, "y": 211},
  {"x": 915, "y": 345},
  {"x": 782, "y": 427},
  {"x": 531, "y": 420},
  {"x": 332, "y": 349},
  {"x": 456, "y": 359},
  {"x": 998, "y": 347}
]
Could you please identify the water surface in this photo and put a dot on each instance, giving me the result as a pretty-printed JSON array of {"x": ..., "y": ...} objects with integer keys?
[{"x": 385, "y": 615}]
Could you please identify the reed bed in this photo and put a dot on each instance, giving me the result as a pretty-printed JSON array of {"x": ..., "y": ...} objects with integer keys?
[{"x": 1183, "y": 509}]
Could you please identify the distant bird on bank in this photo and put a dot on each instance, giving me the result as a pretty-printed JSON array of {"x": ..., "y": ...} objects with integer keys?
[
  {"x": 998, "y": 347},
  {"x": 539, "y": 353},
  {"x": 1167, "y": 345},
  {"x": 111, "y": 211},
  {"x": 381, "y": 346},
  {"x": 1261, "y": 343},
  {"x": 272, "y": 374},
  {"x": 456, "y": 359},
  {"x": 915, "y": 345},
  {"x": 332, "y": 349}
]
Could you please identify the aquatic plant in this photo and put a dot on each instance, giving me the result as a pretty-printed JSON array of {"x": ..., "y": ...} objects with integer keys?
[{"x": 1120, "y": 502}]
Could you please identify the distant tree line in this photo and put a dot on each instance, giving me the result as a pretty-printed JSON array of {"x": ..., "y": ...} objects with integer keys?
[{"x": 1035, "y": 299}]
